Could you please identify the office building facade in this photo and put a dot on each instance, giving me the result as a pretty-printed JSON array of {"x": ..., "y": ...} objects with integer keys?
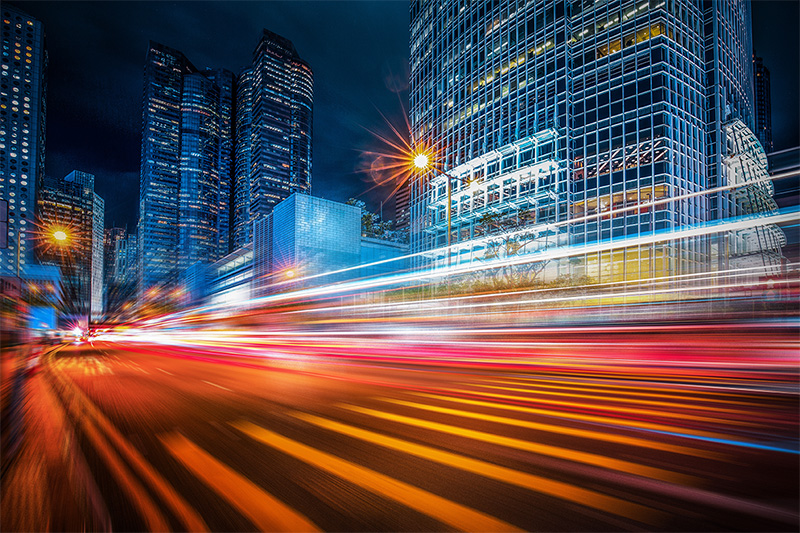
[
  {"x": 186, "y": 166},
  {"x": 96, "y": 304},
  {"x": 763, "y": 99},
  {"x": 547, "y": 114},
  {"x": 71, "y": 206},
  {"x": 114, "y": 251},
  {"x": 159, "y": 180},
  {"x": 119, "y": 269},
  {"x": 205, "y": 171},
  {"x": 23, "y": 87},
  {"x": 274, "y": 131}
]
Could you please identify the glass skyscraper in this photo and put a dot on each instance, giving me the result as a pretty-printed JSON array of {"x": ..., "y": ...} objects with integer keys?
[
  {"x": 186, "y": 167},
  {"x": 763, "y": 100},
  {"x": 547, "y": 114},
  {"x": 205, "y": 177},
  {"x": 23, "y": 86},
  {"x": 198, "y": 194},
  {"x": 273, "y": 132}
]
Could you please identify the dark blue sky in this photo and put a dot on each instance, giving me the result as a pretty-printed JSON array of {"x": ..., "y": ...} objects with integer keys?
[{"x": 358, "y": 51}]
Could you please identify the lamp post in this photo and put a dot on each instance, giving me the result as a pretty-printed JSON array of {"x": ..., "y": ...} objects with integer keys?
[
  {"x": 63, "y": 239},
  {"x": 423, "y": 162}
]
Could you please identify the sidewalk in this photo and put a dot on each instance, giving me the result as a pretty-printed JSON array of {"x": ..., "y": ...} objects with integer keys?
[{"x": 45, "y": 482}]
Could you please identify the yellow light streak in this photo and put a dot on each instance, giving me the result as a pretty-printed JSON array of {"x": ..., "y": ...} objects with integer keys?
[
  {"x": 647, "y": 412},
  {"x": 611, "y": 399}
]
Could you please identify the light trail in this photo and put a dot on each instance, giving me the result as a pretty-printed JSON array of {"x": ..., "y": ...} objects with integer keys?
[
  {"x": 735, "y": 272},
  {"x": 427, "y": 276},
  {"x": 400, "y": 306},
  {"x": 783, "y": 215},
  {"x": 554, "y": 225}
]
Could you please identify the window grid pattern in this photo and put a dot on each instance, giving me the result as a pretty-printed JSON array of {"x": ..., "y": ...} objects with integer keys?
[
  {"x": 631, "y": 86},
  {"x": 23, "y": 85}
]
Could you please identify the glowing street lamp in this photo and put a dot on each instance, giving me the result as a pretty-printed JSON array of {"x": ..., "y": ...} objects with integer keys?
[{"x": 423, "y": 162}]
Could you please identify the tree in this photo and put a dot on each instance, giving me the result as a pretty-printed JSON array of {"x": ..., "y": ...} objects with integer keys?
[
  {"x": 509, "y": 240},
  {"x": 373, "y": 226}
]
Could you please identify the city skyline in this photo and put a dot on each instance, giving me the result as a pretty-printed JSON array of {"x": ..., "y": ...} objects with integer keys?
[
  {"x": 94, "y": 119},
  {"x": 351, "y": 95}
]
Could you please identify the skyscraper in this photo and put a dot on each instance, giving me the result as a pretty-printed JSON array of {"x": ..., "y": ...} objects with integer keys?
[
  {"x": 70, "y": 206},
  {"x": 546, "y": 114},
  {"x": 114, "y": 253},
  {"x": 240, "y": 205},
  {"x": 274, "y": 128},
  {"x": 763, "y": 103},
  {"x": 23, "y": 86},
  {"x": 159, "y": 181},
  {"x": 205, "y": 169},
  {"x": 186, "y": 165},
  {"x": 96, "y": 306},
  {"x": 119, "y": 269}
]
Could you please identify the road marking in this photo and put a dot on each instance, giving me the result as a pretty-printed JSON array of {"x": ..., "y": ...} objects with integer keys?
[
  {"x": 576, "y": 393},
  {"x": 613, "y": 408},
  {"x": 541, "y": 449},
  {"x": 262, "y": 508},
  {"x": 564, "y": 430},
  {"x": 446, "y": 511},
  {"x": 138, "y": 495},
  {"x": 215, "y": 385},
  {"x": 608, "y": 420},
  {"x": 527, "y": 481},
  {"x": 182, "y": 510},
  {"x": 164, "y": 371},
  {"x": 628, "y": 390}
]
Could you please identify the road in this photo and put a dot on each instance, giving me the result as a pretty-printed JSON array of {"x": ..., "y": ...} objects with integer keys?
[{"x": 574, "y": 430}]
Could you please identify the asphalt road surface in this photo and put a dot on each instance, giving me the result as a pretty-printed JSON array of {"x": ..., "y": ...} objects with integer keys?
[{"x": 490, "y": 432}]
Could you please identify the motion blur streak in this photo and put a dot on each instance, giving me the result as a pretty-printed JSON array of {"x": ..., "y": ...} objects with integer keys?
[
  {"x": 575, "y": 220},
  {"x": 447, "y": 512},
  {"x": 505, "y": 475},
  {"x": 430, "y": 275},
  {"x": 258, "y": 421}
]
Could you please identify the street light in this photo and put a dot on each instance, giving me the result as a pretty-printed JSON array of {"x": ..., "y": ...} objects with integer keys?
[{"x": 423, "y": 162}]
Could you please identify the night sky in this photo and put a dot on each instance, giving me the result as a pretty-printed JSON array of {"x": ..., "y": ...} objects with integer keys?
[{"x": 357, "y": 50}]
